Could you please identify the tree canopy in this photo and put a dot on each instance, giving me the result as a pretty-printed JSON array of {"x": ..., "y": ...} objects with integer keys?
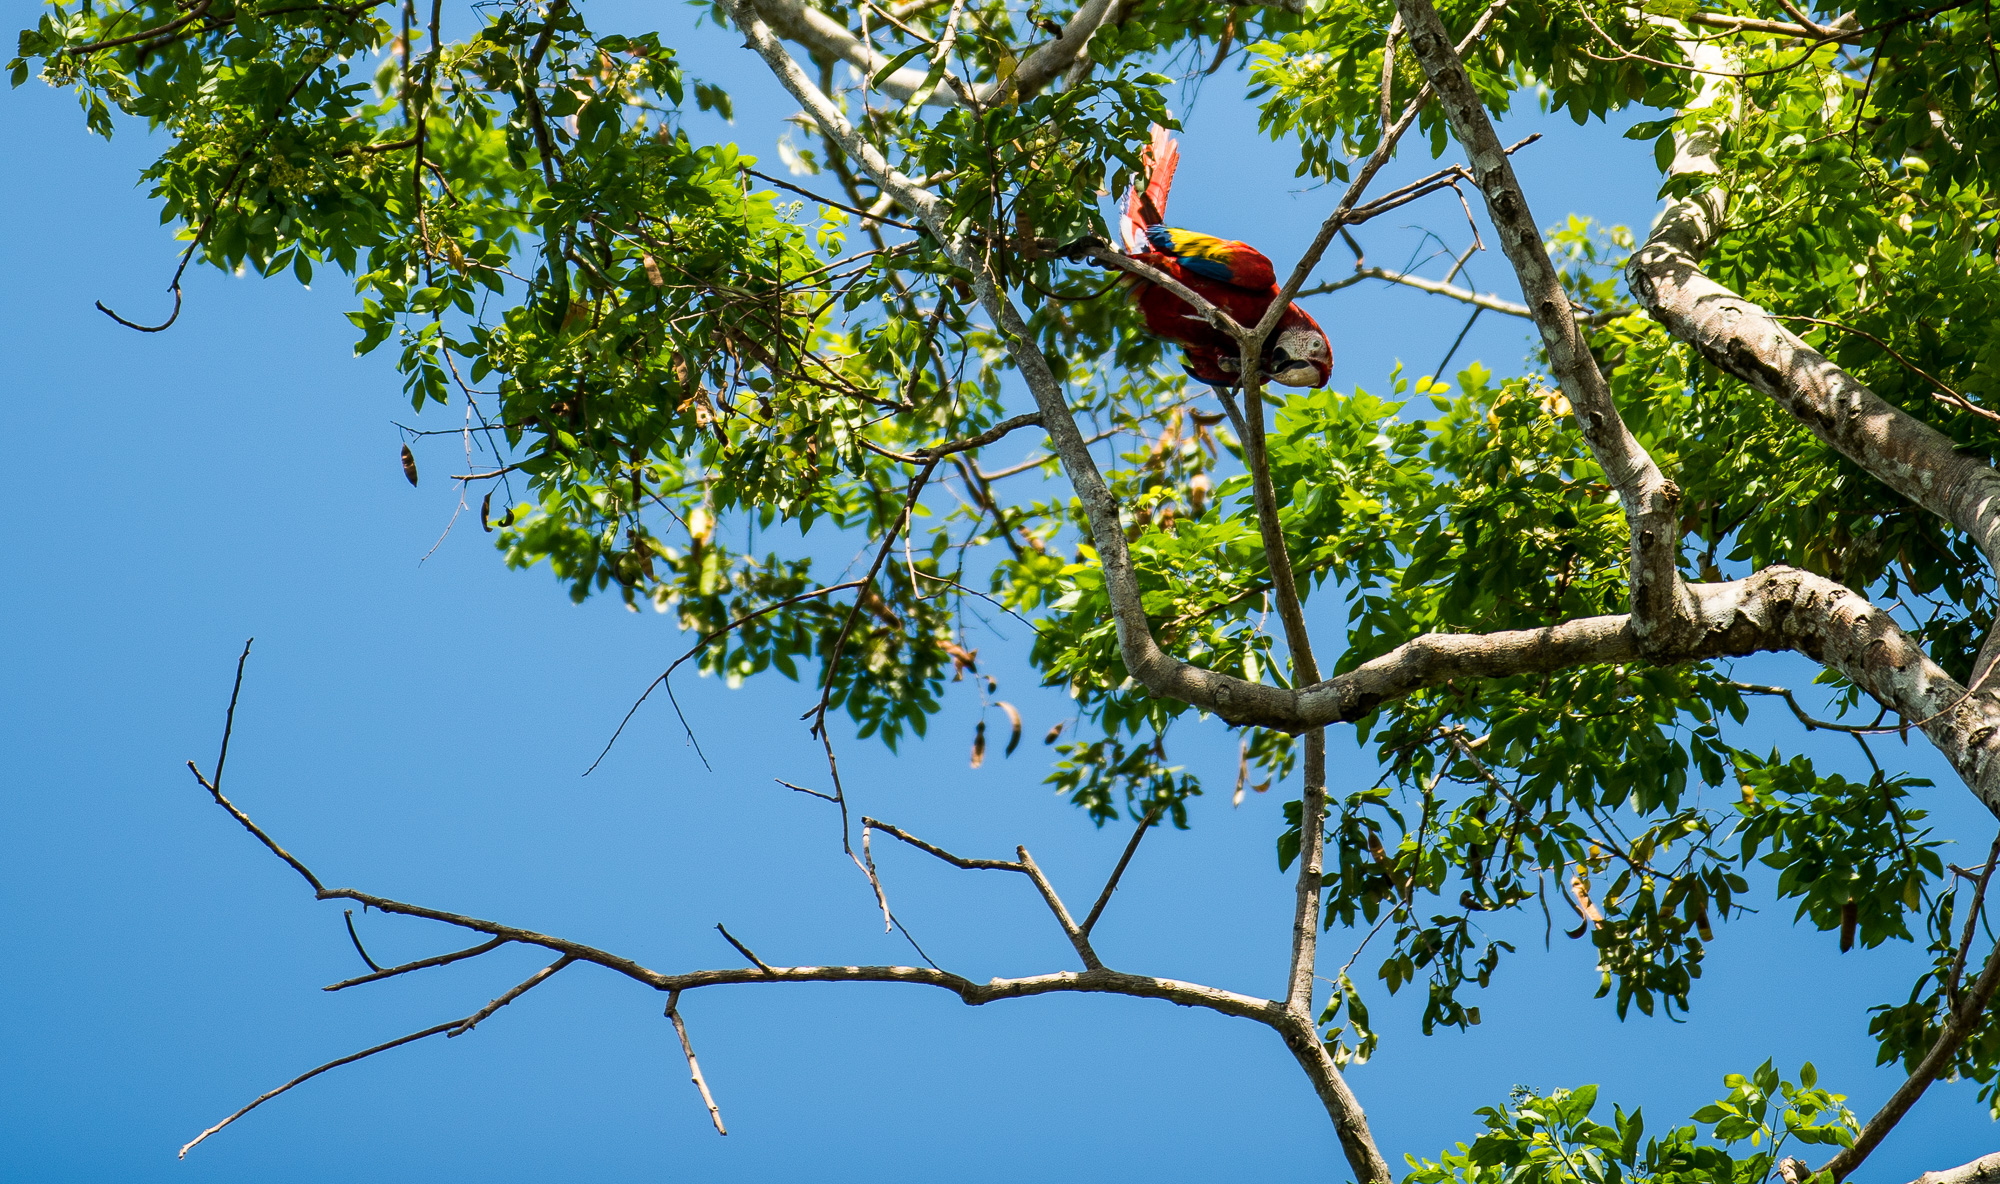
[{"x": 698, "y": 380}]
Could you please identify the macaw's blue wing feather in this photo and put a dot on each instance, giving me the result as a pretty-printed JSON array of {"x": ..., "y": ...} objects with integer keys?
[{"x": 1218, "y": 259}]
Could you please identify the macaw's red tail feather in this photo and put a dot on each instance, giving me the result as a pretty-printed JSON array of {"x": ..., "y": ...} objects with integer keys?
[{"x": 1146, "y": 204}]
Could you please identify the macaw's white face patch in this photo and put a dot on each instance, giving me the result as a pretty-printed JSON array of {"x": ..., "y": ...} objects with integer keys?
[{"x": 1300, "y": 357}]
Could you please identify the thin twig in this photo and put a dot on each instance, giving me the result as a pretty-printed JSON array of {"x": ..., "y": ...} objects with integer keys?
[
  {"x": 348, "y": 914},
  {"x": 530, "y": 983},
  {"x": 419, "y": 964},
  {"x": 1971, "y": 923},
  {"x": 229, "y": 718},
  {"x": 1812, "y": 725},
  {"x": 827, "y": 201},
  {"x": 312, "y": 1073},
  {"x": 1077, "y": 937},
  {"x": 802, "y": 789},
  {"x": 743, "y": 949},
  {"x": 704, "y": 643},
  {"x": 1952, "y": 396},
  {"x": 996, "y": 865},
  {"x": 213, "y": 787},
  {"x": 1111, "y": 885},
  {"x": 694, "y": 1066},
  {"x": 817, "y": 713},
  {"x": 254, "y": 829}
]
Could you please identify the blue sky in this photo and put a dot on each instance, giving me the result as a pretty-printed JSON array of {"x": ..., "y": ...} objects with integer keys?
[{"x": 416, "y": 727}]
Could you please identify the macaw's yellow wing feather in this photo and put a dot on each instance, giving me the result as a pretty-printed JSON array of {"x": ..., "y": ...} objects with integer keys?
[{"x": 1222, "y": 260}]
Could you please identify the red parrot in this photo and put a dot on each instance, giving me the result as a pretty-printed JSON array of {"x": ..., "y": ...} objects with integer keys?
[{"x": 1233, "y": 276}]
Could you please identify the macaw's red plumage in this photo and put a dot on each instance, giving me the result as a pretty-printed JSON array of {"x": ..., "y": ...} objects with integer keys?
[{"x": 1233, "y": 276}]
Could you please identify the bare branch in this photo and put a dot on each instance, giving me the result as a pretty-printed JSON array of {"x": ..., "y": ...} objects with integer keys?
[
  {"x": 825, "y": 797},
  {"x": 530, "y": 983},
  {"x": 938, "y": 451},
  {"x": 707, "y": 640},
  {"x": 1739, "y": 24},
  {"x": 419, "y": 964},
  {"x": 239, "y": 815},
  {"x": 1964, "y": 1018},
  {"x": 1005, "y": 426},
  {"x": 1101, "y": 981},
  {"x": 1451, "y": 291},
  {"x": 452, "y": 1028},
  {"x": 694, "y": 1066},
  {"x": 1131, "y": 848},
  {"x": 1077, "y": 937},
  {"x": 584, "y": 953},
  {"x": 312, "y": 1073},
  {"x": 1249, "y": 423},
  {"x": 1812, "y": 724},
  {"x": 229, "y": 718},
  {"x": 817, "y": 713},
  {"x": 743, "y": 949},
  {"x": 827, "y": 201},
  {"x": 1971, "y": 924},
  {"x": 348, "y": 916},
  {"x": 996, "y": 865}
]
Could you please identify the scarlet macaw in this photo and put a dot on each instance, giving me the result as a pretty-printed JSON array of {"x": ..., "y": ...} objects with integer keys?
[{"x": 1233, "y": 276}]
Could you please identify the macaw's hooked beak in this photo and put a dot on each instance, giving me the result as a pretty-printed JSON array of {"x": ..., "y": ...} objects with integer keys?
[{"x": 1284, "y": 369}]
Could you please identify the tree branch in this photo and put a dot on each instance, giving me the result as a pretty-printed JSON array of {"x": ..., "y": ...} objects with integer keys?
[
  {"x": 1983, "y": 1170},
  {"x": 1741, "y": 338},
  {"x": 419, "y": 964},
  {"x": 453, "y": 1028},
  {"x": 1131, "y": 848},
  {"x": 1339, "y": 218},
  {"x": 1483, "y": 300},
  {"x": 743, "y": 949},
  {"x": 796, "y": 20},
  {"x": 996, "y": 865},
  {"x": 1663, "y": 609},
  {"x": 1971, "y": 924},
  {"x": 694, "y": 1066},
  {"x": 1077, "y": 937},
  {"x": 312, "y": 1073},
  {"x": 1249, "y": 423},
  {"x": 1964, "y": 1018}
]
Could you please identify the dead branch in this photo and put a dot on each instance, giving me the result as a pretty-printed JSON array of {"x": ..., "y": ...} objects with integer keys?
[
  {"x": 743, "y": 949},
  {"x": 454, "y": 1028},
  {"x": 694, "y": 1066},
  {"x": 1077, "y": 938},
  {"x": 419, "y": 964},
  {"x": 1963, "y": 1019},
  {"x": 997, "y": 865},
  {"x": 1111, "y": 885},
  {"x": 530, "y": 983},
  {"x": 312, "y": 1073}
]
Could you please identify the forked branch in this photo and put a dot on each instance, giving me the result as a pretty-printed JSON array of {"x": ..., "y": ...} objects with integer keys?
[
  {"x": 1095, "y": 978},
  {"x": 1964, "y": 1017},
  {"x": 1663, "y": 609}
]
